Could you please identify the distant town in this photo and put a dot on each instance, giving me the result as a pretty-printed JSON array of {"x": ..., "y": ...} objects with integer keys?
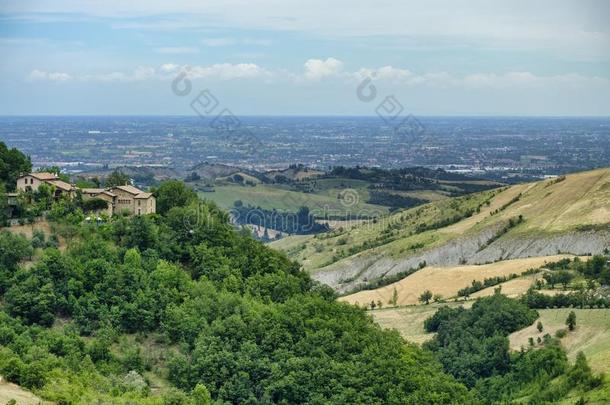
[{"x": 509, "y": 150}]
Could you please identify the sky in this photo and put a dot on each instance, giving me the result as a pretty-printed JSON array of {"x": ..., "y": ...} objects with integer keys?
[{"x": 286, "y": 57}]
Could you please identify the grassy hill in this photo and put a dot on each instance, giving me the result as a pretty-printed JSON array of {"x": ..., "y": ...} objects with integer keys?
[
  {"x": 339, "y": 193},
  {"x": 409, "y": 320},
  {"x": 568, "y": 214},
  {"x": 282, "y": 198},
  {"x": 591, "y": 336}
]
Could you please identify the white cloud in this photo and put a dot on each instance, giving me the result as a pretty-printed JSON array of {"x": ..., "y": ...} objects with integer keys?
[
  {"x": 316, "y": 69},
  {"x": 228, "y": 71},
  {"x": 169, "y": 67},
  {"x": 228, "y": 41},
  {"x": 221, "y": 71},
  {"x": 508, "y": 80},
  {"x": 141, "y": 73},
  {"x": 577, "y": 28},
  {"x": 176, "y": 50},
  {"x": 218, "y": 42},
  {"x": 256, "y": 41},
  {"x": 49, "y": 76},
  {"x": 384, "y": 73}
]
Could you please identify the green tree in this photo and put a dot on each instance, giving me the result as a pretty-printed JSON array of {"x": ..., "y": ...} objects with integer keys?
[
  {"x": 550, "y": 278},
  {"x": 571, "y": 320},
  {"x": 564, "y": 278},
  {"x": 394, "y": 299},
  {"x": 56, "y": 171},
  {"x": 32, "y": 300},
  {"x": 13, "y": 249},
  {"x": 605, "y": 277},
  {"x": 580, "y": 374},
  {"x": 13, "y": 164},
  {"x": 425, "y": 297},
  {"x": 4, "y": 207},
  {"x": 116, "y": 178},
  {"x": 44, "y": 196},
  {"x": 173, "y": 193},
  {"x": 539, "y": 326},
  {"x": 85, "y": 183},
  {"x": 201, "y": 395},
  {"x": 94, "y": 204}
]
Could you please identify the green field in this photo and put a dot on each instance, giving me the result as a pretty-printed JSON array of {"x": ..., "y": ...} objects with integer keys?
[
  {"x": 282, "y": 198},
  {"x": 591, "y": 336},
  {"x": 409, "y": 320}
]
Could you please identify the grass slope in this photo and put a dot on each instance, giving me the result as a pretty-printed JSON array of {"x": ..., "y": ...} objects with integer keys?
[
  {"x": 446, "y": 281},
  {"x": 394, "y": 235},
  {"x": 550, "y": 207},
  {"x": 409, "y": 320},
  {"x": 280, "y": 198},
  {"x": 591, "y": 336}
]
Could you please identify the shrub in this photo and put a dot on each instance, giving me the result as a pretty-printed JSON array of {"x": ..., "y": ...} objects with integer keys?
[
  {"x": 94, "y": 204},
  {"x": 561, "y": 333}
]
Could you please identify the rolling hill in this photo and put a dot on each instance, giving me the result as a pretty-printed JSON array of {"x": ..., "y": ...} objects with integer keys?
[
  {"x": 340, "y": 192},
  {"x": 568, "y": 214}
]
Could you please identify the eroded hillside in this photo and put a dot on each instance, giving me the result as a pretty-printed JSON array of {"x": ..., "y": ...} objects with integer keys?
[{"x": 568, "y": 214}]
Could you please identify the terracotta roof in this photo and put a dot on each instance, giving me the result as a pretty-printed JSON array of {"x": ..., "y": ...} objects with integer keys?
[
  {"x": 42, "y": 176},
  {"x": 61, "y": 184},
  {"x": 143, "y": 195},
  {"x": 98, "y": 191},
  {"x": 130, "y": 189}
]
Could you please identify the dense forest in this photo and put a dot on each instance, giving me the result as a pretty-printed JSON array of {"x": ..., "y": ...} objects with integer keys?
[
  {"x": 300, "y": 223},
  {"x": 472, "y": 345},
  {"x": 181, "y": 307},
  {"x": 411, "y": 178},
  {"x": 183, "y": 301}
]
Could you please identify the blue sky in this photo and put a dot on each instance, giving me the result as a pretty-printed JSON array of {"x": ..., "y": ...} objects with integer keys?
[{"x": 277, "y": 57}]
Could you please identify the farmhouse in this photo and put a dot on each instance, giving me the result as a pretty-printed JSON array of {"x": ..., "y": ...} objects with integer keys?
[
  {"x": 31, "y": 182},
  {"x": 102, "y": 194},
  {"x": 133, "y": 200},
  {"x": 120, "y": 199}
]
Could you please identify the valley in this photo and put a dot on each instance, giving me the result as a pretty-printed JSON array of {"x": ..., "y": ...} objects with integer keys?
[{"x": 305, "y": 203}]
